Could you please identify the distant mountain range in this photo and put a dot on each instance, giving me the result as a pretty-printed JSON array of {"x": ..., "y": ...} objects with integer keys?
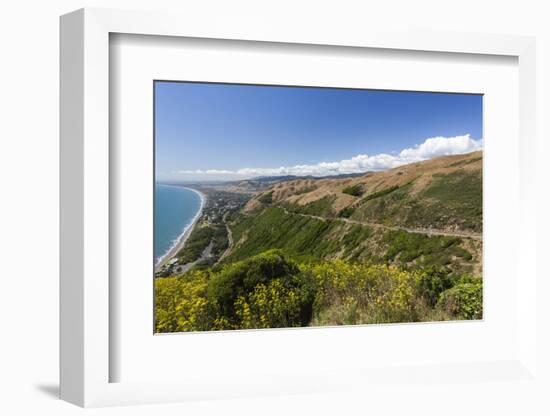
[
  {"x": 261, "y": 182},
  {"x": 286, "y": 178}
]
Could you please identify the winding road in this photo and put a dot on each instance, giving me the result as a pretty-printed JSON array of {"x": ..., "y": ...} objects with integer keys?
[
  {"x": 229, "y": 238},
  {"x": 427, "y": 231}
]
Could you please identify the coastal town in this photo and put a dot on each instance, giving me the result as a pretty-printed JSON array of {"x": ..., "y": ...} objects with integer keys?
[
  {"x": 209, "y": 239},
  {"x": 221, "y": 203}
]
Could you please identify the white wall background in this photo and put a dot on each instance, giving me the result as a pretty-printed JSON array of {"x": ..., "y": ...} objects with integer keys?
[{"x": 29, "y": 182}]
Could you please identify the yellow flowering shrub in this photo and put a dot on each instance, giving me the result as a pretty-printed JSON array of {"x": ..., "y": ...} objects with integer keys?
[
  {"x": 359, "y": 293},
  {"x": 181, "y": 303},
  {"x": 270, "y": 306},
  {"x": 270, "y": 290}
]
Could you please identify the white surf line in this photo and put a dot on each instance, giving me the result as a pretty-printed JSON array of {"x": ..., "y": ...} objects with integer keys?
[{"x": 175, "y": 243}]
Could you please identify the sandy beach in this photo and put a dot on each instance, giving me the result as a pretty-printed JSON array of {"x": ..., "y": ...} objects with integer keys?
[{"x": 184, "y": 236}]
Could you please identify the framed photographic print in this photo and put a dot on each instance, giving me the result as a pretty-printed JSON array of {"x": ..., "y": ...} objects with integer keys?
[
  {"x": 352, "y": 207},
  {"x": 266, "y": 211}
]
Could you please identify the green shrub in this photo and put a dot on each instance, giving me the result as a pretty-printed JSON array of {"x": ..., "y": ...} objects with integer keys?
[
  {"x": 354, "y": 190},
  {"x": 463, "y": 301},
  {"x": 432, "y": 283},
  {"x": 266, "y": 198},
  {"x": 233, "y": 290},
  {"x": 346, "y": 212}
]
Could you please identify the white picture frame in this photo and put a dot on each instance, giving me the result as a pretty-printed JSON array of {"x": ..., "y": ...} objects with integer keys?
[{"x": 86, "y": 355}]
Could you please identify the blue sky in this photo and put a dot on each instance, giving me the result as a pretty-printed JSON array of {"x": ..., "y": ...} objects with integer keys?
[{"x": 223, "y": 131}]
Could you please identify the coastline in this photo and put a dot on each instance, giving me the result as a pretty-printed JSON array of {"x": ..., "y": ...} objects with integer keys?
[{"x": 182, "y": 238}]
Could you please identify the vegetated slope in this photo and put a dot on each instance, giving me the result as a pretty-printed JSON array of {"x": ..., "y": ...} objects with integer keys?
[
  {"x": 271, "y": 290},
  {"x": 384, "y": 217},
  {"x": 264, "y": 182},
  {"x": 312, "y": 239}
]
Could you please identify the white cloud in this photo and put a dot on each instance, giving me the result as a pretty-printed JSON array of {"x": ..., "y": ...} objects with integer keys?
[
  {"x": 441, "y": 146},
  {"x": 430, "y": 148}
]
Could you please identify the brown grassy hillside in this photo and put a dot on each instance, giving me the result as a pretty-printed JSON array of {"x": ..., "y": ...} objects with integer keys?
[{"x": 443, "y": 193}]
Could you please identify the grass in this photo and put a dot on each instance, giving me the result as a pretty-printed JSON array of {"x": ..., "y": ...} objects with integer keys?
[
  {"x": 354, "y": 237},
  {"x": 457, "y": 188},
  {"x": 321, "y": 207},
  {"x": 459, "y": 195},
  {"x": 311, "y": 239},
  {"x": 424, "y": 250},
  {"x": 300, "y": 236},
  {"x": 383, "y": 207}
]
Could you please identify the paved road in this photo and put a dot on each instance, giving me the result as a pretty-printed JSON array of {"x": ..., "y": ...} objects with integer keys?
[
  {"x": 229, "y": 238},
  {"x": 428, "y": 231},
  {"x": 206, "y": 253}
]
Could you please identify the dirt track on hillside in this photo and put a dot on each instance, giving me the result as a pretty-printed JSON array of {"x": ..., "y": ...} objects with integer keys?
[{"x": 429, "y": 232}]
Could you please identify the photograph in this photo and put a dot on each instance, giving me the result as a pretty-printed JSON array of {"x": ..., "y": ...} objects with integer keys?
[{"x": 295, "y": 206}]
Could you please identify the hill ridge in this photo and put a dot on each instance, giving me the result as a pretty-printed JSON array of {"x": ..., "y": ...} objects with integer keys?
[{"x": 393, "y": 197}]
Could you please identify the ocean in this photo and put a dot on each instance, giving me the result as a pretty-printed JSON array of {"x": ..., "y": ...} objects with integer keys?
[{"x": 175, "y": 209}]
